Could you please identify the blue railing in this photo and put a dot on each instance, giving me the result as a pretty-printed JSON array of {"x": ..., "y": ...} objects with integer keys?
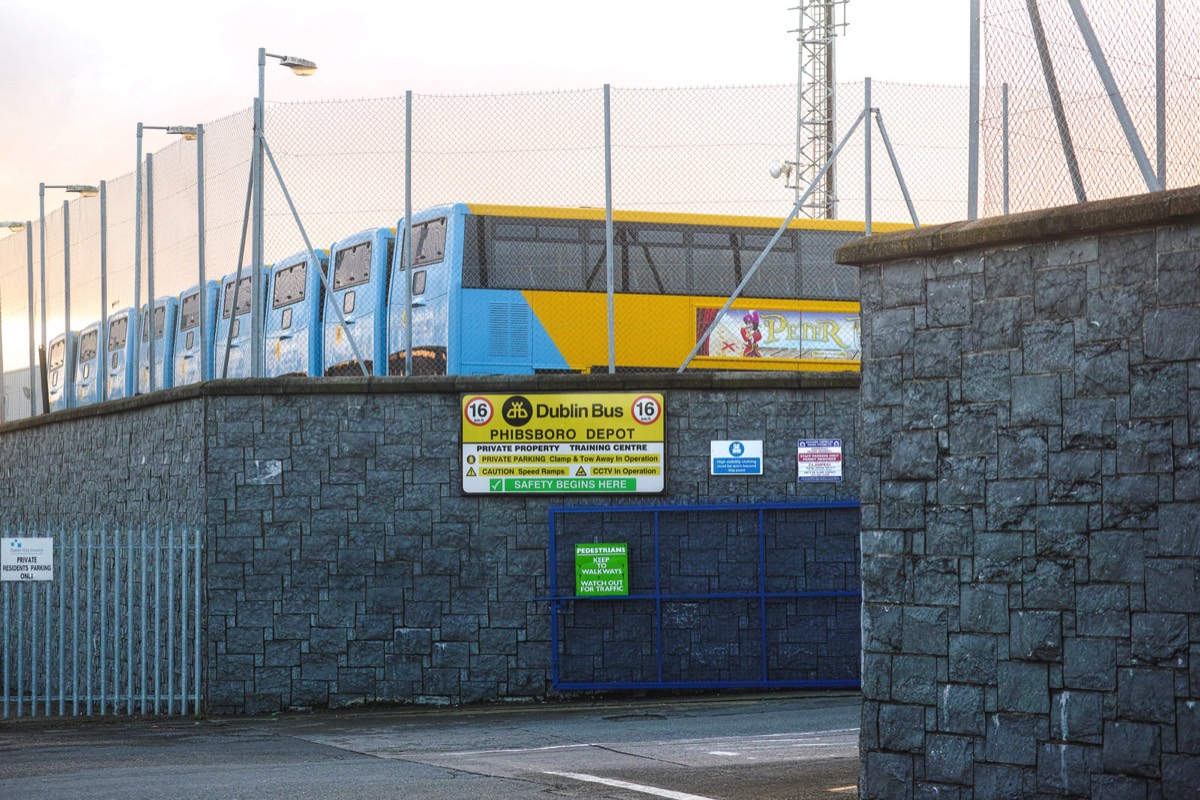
[{"x": 671, "y": 663}]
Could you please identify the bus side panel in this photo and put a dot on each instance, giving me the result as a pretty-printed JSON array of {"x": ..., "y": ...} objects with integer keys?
[
  {"x": 61, "y": 371},
  {"x": 164, "y": 347},
  {"x": 501, "y": 334},
  {"x": 432, "y": 308},
  {"x": 239, "y": 346},
  {"x": 119, "y": 369},
  {"x": 191, "y": 364},
  {"x": 365, "y": 314},
  {"x": 88, "y": 371}
]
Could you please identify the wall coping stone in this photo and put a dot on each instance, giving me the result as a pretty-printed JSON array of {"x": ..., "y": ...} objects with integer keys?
[
  {"x": 1063, "y": 222},
  {"x": 715, "y": 380}
]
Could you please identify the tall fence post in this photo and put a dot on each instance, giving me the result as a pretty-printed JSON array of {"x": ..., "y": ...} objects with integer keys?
[
  {"x": 867, "y": 155},
  {"x": 608, "y": 230},
  {"x": 973, "y": 117}
]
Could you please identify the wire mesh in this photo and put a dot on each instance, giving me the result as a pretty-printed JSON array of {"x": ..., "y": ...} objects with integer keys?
[
  {"x": 703, "y": 150},
  {"x": 1038, "y": 159}
]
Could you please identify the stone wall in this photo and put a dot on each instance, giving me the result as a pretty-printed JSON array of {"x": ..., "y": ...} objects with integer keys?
[
  {"x": 1030, "y": 456},
  {"x": 345, "y": 566}
]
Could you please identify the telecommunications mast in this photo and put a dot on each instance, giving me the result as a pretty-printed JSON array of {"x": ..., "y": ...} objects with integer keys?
[{"x": 815, "y": 135}]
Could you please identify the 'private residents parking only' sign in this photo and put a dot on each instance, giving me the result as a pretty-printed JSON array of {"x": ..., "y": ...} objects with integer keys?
[
  {"x": 24, "y": 559},
  {"x": 590, "y": 443}
]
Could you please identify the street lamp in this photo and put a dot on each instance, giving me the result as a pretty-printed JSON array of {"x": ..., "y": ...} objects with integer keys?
[
  {"x": 14, "y": 227},
  {"x": 83, "y": 190},
  {"x": 302, "y": 67},
  {"x": 189, "y": 133}
]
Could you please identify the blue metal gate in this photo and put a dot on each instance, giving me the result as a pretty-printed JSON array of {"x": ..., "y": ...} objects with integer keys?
[
  {"x": 117, "y": 630},
  {"x": 720, "y": 596}
]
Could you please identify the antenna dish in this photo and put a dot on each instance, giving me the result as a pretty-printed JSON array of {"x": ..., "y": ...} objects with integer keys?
[{"x": 776, "y": 169}]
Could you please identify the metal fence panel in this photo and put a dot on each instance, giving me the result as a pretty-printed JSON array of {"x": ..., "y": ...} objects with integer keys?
[
  {"x": 117, "y": 630},
  {"x": 728, "y": 596}
]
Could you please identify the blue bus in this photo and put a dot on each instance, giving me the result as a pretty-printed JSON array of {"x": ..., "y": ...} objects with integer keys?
[
  {"x": 232, "y": 333},
  {"x": 292, "y": 324},
  {"x": 119, "y": 371},
  {"x": 193, "y": 364},
  {"x": 89, "y": 371},
  {"x": 430, "y": 303},
  {"x": 515, "y": 289},
  {"x": 60, "y": 369},
  {"x": 359, "y": 267},
  {"x": 166, "y": 309}
]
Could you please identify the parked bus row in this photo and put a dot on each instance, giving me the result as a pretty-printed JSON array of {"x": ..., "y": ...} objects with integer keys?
[{"x": 498, "y": 290}]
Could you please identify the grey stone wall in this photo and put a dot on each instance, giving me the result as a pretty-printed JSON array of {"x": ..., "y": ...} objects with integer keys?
[
  {"x": 345, "y": 566},
  {"x": 1030, "y": 456}
]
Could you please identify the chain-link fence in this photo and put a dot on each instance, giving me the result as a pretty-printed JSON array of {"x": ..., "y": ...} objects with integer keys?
[
  {"x": 699, "y": 151},
  {"x": 1065, "y": 142}
]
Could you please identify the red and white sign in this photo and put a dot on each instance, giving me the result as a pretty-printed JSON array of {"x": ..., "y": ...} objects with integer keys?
[{"x": 819, "y": 460}]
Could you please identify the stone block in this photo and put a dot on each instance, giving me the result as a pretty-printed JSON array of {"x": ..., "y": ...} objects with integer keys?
[
  {"x": 1023, "y": 687},
  {"x": 1013, "y": 738},
  {"x": 1146, "y": 695},
  {"x": 1067, "y": 769},
  {"x": 914, "y": 456},
  {"x": 1159, "y": 638},
  {"x": 1047, "y": 346},
  {"x": 1089, "y": 664},
  {"x": 1102, "y": 610},
  {"x": 937, "y": 353},
  {"x": 1169, "y": 334},
  {"x": 1023, "y": 453},
  {"x": 1036, "y": 636},
  {"x": 901, "y": 727},
  {"x": 949, "y": 759},
  {"x": 1132, "y": 748},
  {"x": 1077, "y": 716},
  {"x": 986, "y": 378},
  {"x": 949, "y": 302},
  {"x": 1036, "y": 400},
  {"x": 984, "y": 608},
  {"x": 960, "y": 709},
  {"x": 1102, "y": 369}
]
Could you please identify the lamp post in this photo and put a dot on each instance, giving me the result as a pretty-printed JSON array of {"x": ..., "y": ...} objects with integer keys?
[
  {"x": 302, "y": 67},
  {"x": 12, "y": 226},
  {"x": 83, "y": 190},
  {"x": 189, "y": 133}
]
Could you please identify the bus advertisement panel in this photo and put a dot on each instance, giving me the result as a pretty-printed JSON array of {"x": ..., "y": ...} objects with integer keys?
[{"x": 772, "y": 333}]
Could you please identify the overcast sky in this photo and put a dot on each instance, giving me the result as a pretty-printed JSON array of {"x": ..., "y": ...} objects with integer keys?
[{"x": 76, "y": 76}]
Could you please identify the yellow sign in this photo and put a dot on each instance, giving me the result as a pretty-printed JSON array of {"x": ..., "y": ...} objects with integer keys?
[{"x": 563, "y": 443}]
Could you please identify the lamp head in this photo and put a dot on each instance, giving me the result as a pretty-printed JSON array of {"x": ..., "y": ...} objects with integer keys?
[
  {"x": 84, "y": 190},
  {"x": 187, "y": 132},
  {"x": 13, "y": 225},
  {"x": 301, "y": 66}
]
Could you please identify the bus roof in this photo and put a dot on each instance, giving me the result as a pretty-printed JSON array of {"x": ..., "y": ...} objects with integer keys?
[{"x": 673, "y": 218}]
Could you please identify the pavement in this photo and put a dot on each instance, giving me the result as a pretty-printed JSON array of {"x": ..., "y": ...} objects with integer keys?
[{"x": 795, "y": 745}]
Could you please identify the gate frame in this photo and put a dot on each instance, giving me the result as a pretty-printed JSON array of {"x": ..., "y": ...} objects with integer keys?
[{"x": 557, "y": 600}]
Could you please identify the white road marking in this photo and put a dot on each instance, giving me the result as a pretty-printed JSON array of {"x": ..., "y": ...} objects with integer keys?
[
  {"x": 633, "y": 787},
  {"x": 722, "y": 753},
  {"x": 512, "y": 750}
]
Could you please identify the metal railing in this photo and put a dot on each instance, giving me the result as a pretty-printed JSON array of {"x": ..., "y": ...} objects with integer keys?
[{"x": 117, "y": 630}]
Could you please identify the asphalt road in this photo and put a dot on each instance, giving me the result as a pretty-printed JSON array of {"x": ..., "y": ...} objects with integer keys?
[{"x": 766, "y": 747}]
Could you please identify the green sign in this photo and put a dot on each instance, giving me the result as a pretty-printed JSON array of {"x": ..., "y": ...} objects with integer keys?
[
  {"x": 559, "y": 485},
  {"x": 601, "y": 569}
]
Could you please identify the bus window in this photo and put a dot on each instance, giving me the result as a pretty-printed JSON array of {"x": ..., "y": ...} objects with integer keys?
[
  {"x": 429, "y": 242},
  {"x": 352, "y": 267},
  {"x": 243, "y": 298},
  {"x": 289, "y": 285}
]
